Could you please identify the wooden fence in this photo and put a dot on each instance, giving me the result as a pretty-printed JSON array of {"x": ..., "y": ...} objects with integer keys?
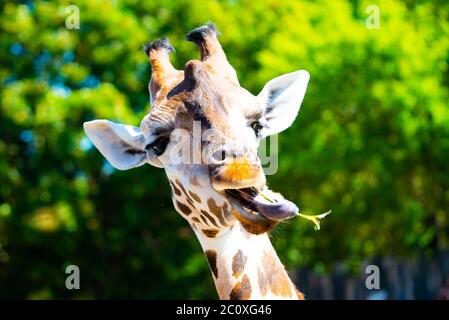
[{"x": 419, "y": 278}]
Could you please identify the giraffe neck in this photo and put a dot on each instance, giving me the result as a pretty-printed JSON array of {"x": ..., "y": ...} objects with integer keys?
[{"x": 246, "y": 266}]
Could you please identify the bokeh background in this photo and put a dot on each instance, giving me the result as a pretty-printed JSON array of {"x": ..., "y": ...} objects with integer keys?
[{"x": 371, "y": 143}]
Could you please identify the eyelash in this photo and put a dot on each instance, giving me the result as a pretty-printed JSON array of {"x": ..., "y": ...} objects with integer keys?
[
  {"x": 158, "y": 146},
  {"x": 256, "y": 126}
]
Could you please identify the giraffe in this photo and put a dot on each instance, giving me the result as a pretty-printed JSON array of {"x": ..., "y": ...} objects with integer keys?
[{"x": 203, "y": 115}]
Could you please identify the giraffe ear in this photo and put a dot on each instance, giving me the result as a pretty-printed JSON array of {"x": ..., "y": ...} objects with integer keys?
[
  {"x": 282, "y": 97},
  {"x": 122, "y": 145}
]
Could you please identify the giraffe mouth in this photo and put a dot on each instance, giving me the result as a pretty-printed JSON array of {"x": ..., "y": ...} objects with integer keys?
[{"x": 257, "y": 205}]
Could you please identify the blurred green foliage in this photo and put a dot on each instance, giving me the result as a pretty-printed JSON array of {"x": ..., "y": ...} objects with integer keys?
[{"x": 371, "y": 142}]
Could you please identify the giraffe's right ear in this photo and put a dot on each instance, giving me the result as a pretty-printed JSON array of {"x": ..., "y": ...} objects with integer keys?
[
  {"x": 122, "y": 145},
  {"x": 282, "y": 97}
]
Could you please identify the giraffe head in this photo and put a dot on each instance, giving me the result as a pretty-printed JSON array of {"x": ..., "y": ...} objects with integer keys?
[{"x": 204, "y": 130}]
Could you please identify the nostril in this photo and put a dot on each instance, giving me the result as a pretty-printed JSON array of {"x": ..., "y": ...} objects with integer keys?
[
  {"x": 219, "y": 155},
  {"x": 222, "y": 155}
]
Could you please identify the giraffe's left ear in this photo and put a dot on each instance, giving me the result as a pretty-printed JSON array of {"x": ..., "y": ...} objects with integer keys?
[
  {"x": 122, "y": 145},
  {"x": 282, "y": 97}
]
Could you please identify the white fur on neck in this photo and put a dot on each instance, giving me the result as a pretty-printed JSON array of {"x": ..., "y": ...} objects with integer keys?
[{"x": 253, "y": 246}]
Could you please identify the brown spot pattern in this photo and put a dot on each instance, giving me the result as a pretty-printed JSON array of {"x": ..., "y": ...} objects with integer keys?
[
  {"x": 194, "y": 181},
  {"x": 208, "y": 216},
  {"x": 225, "y": 211},
  {"x": 238, "y": 263},
  {"x": 183, "y": 208},
  {"x": 217, "y": 210},
  {"x": 204, "y": 220},
  {"x": 242, "y": 290},
  {"x": 184, "y": 191},
  {"x": 262, "y": 282},
  {"x": 262, "y": 226},
  {"x": 252, "y": 228},
  {"x": 210, "y": 233},
  {"x": 175, "y": 190},
  {"x": 190, "y": 202},
  {"x": 211, "y": 256},
  {"x": 277, "y": 278},
  {"x": 213, "y": 207},
  {"x": 195, "y": 196}
]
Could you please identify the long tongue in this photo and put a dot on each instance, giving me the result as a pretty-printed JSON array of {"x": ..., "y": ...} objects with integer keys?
[
  {"x": 271, "y": 206},
  {"x": 280, "y": 210}
]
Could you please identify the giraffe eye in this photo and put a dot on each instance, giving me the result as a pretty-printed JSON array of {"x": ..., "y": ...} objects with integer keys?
[
  {"x": 256, "y": 126},
  {"x": 158, "y": 146}
]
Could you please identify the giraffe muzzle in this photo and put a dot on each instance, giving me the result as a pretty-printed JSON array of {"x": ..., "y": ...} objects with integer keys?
[{"x": 237, "y": 174}]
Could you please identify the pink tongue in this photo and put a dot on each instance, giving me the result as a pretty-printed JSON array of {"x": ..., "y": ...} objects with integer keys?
[{"x": 278, "y": 211}]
